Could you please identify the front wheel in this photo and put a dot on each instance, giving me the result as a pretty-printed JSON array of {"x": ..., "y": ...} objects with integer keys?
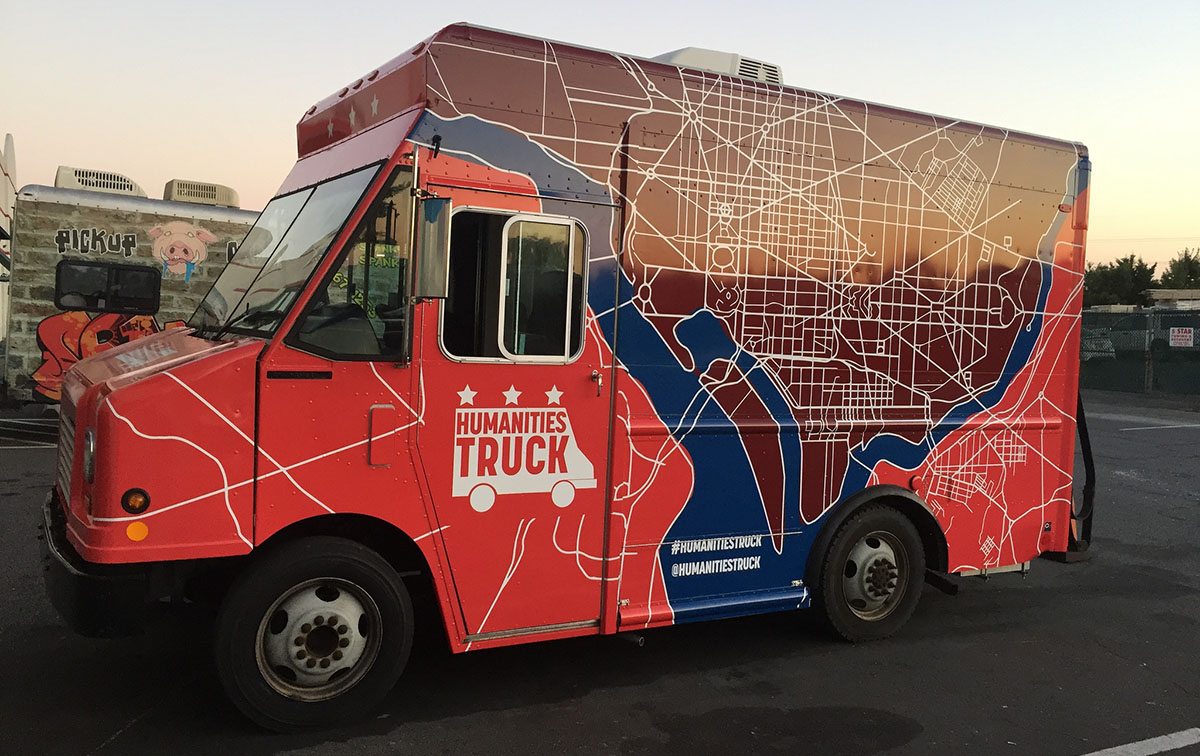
[
  {"x": 872, "y": 575},
  {"x": 315, "y": 633}
]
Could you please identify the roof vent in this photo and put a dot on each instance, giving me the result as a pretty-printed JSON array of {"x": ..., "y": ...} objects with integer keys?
[
  {"x": 200, "y": 192},
  {"x": 730, "y": 64},
  {"x": 96, "y": 181}
]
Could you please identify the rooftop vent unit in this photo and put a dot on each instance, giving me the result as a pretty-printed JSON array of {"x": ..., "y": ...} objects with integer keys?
[
  {"x": 96, "y": 181},
  {"x": 200, "y": 193},
  {"x": 730, "y": 64}
]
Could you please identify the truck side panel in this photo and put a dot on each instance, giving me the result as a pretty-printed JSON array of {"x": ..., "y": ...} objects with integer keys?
[
  {"x": 814, "y": 296},
  {"x": 817, "y": 294}
]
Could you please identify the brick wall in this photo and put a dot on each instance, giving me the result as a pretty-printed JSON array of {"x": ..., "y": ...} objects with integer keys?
[{"x": 46, "y": 229}]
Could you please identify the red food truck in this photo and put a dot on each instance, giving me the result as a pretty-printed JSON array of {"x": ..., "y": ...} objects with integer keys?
[{"x": 583, "y": 343}]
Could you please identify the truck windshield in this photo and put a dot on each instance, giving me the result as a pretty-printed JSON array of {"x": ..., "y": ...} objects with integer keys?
[{"x": 256, "y": 289}]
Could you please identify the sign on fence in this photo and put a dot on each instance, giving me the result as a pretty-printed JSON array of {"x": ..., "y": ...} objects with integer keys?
[{"x": 1181, "y": 337}]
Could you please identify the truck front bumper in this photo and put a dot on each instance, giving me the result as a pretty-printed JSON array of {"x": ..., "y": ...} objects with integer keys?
[{"x": 96, "y": 600}]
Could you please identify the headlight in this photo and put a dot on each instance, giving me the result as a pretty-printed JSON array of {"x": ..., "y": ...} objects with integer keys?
[{"x": 89, "y": 455}]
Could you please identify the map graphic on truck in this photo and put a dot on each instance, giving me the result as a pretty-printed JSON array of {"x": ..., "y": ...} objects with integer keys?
[{"x": 516, "y": 450}]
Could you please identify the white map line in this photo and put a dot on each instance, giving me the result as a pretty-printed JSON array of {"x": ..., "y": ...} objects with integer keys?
[
  {"x": 432, "y": 532},
  {"x": 250, "y": 480},
  {"x": 228, "y": 506},
  {"x": 247, "y": 439},
  {"x": 517, "y": 555}
]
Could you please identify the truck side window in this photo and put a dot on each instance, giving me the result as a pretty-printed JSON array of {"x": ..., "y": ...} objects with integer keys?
[
  {"x": 516, "y": 287},
  {"x": 363, "y": 310}
]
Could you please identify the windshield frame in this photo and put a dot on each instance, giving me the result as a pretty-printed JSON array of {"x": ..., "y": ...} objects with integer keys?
[
  {"x": 337, "y": 240},
  {"x": 383, "y": 181}
]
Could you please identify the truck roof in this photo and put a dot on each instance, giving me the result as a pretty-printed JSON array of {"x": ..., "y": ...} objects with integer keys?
[{"x": 341, "y": 124}]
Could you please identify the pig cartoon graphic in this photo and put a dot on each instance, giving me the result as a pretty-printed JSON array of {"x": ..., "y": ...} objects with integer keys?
[{"x": 181, "y": 247}]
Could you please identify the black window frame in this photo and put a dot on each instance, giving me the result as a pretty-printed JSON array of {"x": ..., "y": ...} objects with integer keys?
[
  {"x": 111, "y": 267},
  {"x": 501, "y": 358}
]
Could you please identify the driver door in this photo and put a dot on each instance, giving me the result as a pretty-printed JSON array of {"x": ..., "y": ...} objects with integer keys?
[
  {"x": 336, "y": 396},
  {"x": 514, "y": 441}
]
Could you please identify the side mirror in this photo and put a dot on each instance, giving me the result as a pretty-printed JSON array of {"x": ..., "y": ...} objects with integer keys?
[
  {"x": 106, "y": 287},
  {"x": 433, "y": 249}
]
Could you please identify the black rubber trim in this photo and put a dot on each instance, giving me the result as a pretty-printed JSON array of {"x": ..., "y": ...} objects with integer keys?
[
  {"x": 1081, "y": 541},
  {"x": 301, "y": 375}
]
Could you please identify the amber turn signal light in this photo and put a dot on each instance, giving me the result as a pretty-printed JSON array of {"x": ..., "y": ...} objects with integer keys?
[{"x": 135, "y": 501}]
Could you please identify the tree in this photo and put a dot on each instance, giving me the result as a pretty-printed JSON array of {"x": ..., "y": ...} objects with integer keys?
[
  {"x": 1124, "y": 281},
  {"x": 1183, "y": 271}
]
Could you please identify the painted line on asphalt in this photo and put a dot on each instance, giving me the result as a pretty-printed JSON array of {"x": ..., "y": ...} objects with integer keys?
[
  {"x": 30, "y": 446},
  {"x": 1161, "y": 744},
  {"x": 1141, "y": 422}
]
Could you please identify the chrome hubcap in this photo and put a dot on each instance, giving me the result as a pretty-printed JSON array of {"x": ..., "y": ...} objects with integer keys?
[
  {"x": 875, "y": 575},
  {"x": 318, "y": 639}
]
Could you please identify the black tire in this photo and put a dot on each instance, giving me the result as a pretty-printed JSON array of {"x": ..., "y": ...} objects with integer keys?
[
  {"x": 316, "y": 579},
  {"x": 872, "y": 575}
]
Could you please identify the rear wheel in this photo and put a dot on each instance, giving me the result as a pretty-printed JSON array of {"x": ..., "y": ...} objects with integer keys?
[
  {"x": 315, "y": 633},
  {"x": 872, "y": 575}
]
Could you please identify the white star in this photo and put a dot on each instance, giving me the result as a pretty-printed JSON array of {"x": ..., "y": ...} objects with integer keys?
[
  {"x": 375, "y": 105},
  {"x": 553, "y": 395},
  {"x": 330, "y": 128},
  {"x": 466, "y": 396},
  {"x": 510, "y": 396},
  {"x": 353, "y": 115}
]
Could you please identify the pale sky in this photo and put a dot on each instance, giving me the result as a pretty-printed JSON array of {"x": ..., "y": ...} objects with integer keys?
[{"x": 212, "y": 90}]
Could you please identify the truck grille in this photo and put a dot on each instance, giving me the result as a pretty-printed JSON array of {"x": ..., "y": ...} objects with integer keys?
[{"x": 66, "y": 455}]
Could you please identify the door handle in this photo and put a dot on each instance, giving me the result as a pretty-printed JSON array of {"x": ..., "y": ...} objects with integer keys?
[
  {"x": 598, "y": 377},
  {"x": 381, "y": 417}
]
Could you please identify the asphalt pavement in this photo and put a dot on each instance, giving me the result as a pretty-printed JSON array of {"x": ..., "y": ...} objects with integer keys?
[{"x": 1069, "y": 660}]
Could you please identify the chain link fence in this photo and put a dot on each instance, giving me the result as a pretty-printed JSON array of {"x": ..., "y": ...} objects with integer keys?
[{"x": 1141, "y": 351}]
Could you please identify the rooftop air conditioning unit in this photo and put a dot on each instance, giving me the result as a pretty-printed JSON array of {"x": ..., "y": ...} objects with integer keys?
[
  {"x": 730, "y": 64},
  {"x": 200, "y": 192},
  {"x": 96, "y": 181}
]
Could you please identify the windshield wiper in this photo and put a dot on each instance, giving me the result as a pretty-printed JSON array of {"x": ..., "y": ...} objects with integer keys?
[
  {"x": 203, "y": 328},
  {"x": 253, "y": 319}
]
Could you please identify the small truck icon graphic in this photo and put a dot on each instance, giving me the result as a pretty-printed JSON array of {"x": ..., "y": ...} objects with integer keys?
[{"x": 516, "y": 450}]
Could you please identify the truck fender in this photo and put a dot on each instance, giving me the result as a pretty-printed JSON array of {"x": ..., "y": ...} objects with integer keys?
[
  {"x": 902, "y": 499},
  {"x": 395, "y": 545}
]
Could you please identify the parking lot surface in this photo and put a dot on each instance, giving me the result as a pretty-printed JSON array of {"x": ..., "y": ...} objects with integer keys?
[{"x": 1071, "y": 660}]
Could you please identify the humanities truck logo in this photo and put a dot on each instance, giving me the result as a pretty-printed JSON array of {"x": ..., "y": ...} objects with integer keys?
[{"x": 516, "y": 450}]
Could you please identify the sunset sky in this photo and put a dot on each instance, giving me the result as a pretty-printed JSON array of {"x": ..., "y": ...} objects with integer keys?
[{"x": 212, "y": 91}]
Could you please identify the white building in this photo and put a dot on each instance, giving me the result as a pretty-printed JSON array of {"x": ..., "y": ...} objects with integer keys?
[{"x": 1175, "y": 299}]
